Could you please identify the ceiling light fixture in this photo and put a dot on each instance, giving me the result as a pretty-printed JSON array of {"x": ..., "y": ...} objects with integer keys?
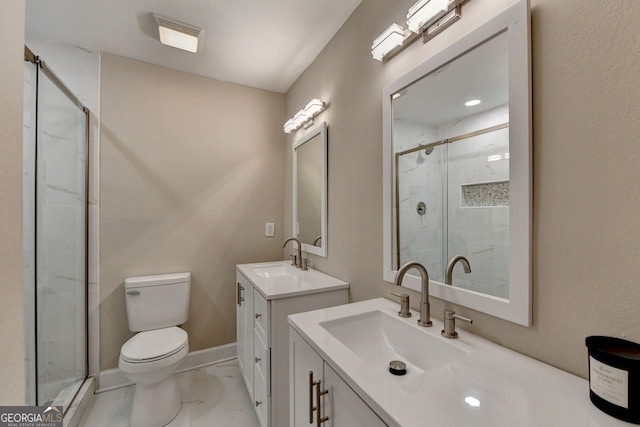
[
  {"x": 178, "y": 34},
  {"x": 390, "y": 38},
  {"x": 424, "y": 11},
  {"x": 305, "y": 116},
  {"x": 473, "y": 102},
  {"x": 472, "y": 401}
]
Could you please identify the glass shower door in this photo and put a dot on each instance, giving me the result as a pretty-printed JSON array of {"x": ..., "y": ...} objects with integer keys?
[{"x": 61, "y": 242}]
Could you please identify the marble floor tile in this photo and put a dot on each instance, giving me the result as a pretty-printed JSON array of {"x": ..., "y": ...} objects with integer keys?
[{"x": 211, "y": 396}]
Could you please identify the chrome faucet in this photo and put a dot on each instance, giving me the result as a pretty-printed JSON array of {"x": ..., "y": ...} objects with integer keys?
[
  {"x": 425, "y": 308},
  {"x": 448, "y": 275},
  {"x": 298, "y": 260}
]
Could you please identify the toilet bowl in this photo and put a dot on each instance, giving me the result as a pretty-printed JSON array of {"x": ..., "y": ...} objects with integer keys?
[
  {"x": 150, "y": 359},
  {"x": 155, "y": 306}
]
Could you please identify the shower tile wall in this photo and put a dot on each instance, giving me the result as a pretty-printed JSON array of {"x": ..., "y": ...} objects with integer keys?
[
  {"x": 60, "y": 230},
  {"x": 28, "y": 220},
  {"x": 420, "y": 181},
  {"x": 480, "y": 233}
]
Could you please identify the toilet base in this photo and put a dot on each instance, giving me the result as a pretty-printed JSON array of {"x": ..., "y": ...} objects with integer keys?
[{"x": 156, "y": 405}]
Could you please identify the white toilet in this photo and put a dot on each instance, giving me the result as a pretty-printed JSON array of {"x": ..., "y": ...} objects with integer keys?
[{"x": 155, "y": 306}]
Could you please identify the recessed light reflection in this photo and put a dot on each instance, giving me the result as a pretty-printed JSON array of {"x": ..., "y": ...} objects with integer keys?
[
  {"x": 472, "y": 102},
  {"x": 494, "y": 158},
  {"x": 472, "y": 401}
]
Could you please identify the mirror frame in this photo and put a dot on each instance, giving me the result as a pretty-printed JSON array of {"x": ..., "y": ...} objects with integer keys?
[
  {"x": 517, "y": 308},
  {"x": 321, "y": 130}
]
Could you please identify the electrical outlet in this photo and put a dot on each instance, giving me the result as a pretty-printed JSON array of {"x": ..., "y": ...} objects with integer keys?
[{"x": 269, "y": 229}]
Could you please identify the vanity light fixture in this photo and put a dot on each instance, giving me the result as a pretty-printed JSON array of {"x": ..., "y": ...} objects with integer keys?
[
  {"x": 390, "y": 38},
  {"x": 178, "y": 34},
  {"x": 473, "y": 102},
  {"x": 424, "y": 11},
  {"x": 426, "y": 17},
  {"x": 305, "y": 116}
]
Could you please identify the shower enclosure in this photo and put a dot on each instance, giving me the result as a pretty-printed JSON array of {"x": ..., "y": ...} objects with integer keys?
[{"x": 55, "y": 171}]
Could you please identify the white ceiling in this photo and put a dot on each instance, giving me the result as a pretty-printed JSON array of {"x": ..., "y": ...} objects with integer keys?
[
  {"x": 260, "y": 43},
  {"x": 439, "y": 97}
]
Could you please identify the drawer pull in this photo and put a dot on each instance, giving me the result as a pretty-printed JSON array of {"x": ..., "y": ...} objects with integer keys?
[
  {"x": 311, "y": 407},
  {"x": 258, "y": 315},
  {"x": 257, "y": 359},
  {"x": 319, "y": 418},
  {"x": 258, "y": 403},
  {"x": 239, "y": 297}
]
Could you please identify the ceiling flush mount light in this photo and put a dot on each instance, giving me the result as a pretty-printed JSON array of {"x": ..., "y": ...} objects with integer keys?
[
  {"x": 472, "y": 401},
  {"x": 305, "y": 116},
  {"x": 425, "y": 11},
  {"x": 390, "y": 38},
  {"x": 178, "y": 34},
  {"x": 472, "y": 102}
]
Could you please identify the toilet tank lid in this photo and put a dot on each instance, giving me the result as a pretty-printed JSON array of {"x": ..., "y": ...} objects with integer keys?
[{"x": 159, "y": 279}]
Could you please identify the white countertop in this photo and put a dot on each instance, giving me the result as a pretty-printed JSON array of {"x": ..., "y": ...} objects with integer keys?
[
  {"x": 294, "y": 281},
  {"x": 512, "y": 389}
]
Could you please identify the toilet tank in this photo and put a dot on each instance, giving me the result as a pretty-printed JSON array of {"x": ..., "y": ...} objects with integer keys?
[{"x": 159, "y": 301}]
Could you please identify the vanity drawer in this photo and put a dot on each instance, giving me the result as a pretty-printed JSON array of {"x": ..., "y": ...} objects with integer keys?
[
  {"x": 261, "y": 358},
  {"x": 261, "y": 316},
  {"x": 260, "y": 397}
]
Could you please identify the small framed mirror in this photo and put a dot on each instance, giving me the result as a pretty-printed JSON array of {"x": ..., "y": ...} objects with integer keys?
[
  {"x": 310, "y": 190},
  {"x": 457, "y": 169}
]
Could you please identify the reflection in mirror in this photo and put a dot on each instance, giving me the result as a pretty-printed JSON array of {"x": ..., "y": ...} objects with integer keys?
[
  {"x": 457, "y": 169},
  {"x": 309, "y": 192}
]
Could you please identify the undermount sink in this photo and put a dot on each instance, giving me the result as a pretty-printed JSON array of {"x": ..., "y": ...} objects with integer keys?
[
  {"x": 377, "y": 338},
  {"x": 267, "y": 270}
]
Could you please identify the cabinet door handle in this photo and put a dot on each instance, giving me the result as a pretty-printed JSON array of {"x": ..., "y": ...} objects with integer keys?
[
  {"x": 258, "y": 315},
  {"x": 319, "y": 418},
  {"x": 257, "y": 359},
  {"x": 311, "y": 407},
  {"x": 258, "y": 403},
  {"x": 239, "y": 297}
]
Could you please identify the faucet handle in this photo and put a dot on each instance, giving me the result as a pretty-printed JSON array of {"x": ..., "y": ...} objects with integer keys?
[
  {"x": 450, "y": 317},
  {"x": 305, "y": 264},
  {"x": 404, "y": 304},
  {"x": 294, "y": 260}
]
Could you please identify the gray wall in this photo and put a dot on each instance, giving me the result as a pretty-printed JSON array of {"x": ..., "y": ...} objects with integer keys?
[
  {"x": 191, "y": 170},
  {"x": 586, "y": 198},
  {"x": 12, "y": 350}
]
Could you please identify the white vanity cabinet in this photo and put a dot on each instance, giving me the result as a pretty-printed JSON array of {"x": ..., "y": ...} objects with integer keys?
[
  {"x": 266, "y": 294},
  {"x": 318, "y": 395}
]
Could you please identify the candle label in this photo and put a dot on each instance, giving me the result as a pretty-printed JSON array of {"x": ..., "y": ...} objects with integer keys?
[{"x": 611, "y": 384}]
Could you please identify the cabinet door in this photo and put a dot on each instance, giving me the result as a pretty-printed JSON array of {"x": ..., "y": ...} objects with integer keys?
[
  {"x": 244, "y": 330},
  {"x": 305, "y": 367},
  {"x": 342, "y": 406}
]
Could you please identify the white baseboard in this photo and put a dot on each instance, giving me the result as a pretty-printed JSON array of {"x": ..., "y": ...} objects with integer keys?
[{"x": 111, "y": 379}]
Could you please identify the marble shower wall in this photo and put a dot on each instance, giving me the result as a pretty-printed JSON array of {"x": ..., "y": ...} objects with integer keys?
[{"x": 478, "y": 226}]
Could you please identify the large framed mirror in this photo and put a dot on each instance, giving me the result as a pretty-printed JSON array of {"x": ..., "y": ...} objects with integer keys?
[
  {"x": 310, "y": 190},
  {"x": 457, "y": 169}
]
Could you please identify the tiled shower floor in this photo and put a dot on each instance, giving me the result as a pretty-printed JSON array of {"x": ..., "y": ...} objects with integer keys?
[{"x": 211, "y": 396}]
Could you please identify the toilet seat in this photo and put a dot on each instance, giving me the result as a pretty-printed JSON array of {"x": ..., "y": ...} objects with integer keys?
[{"x": 151, "y": 346}]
